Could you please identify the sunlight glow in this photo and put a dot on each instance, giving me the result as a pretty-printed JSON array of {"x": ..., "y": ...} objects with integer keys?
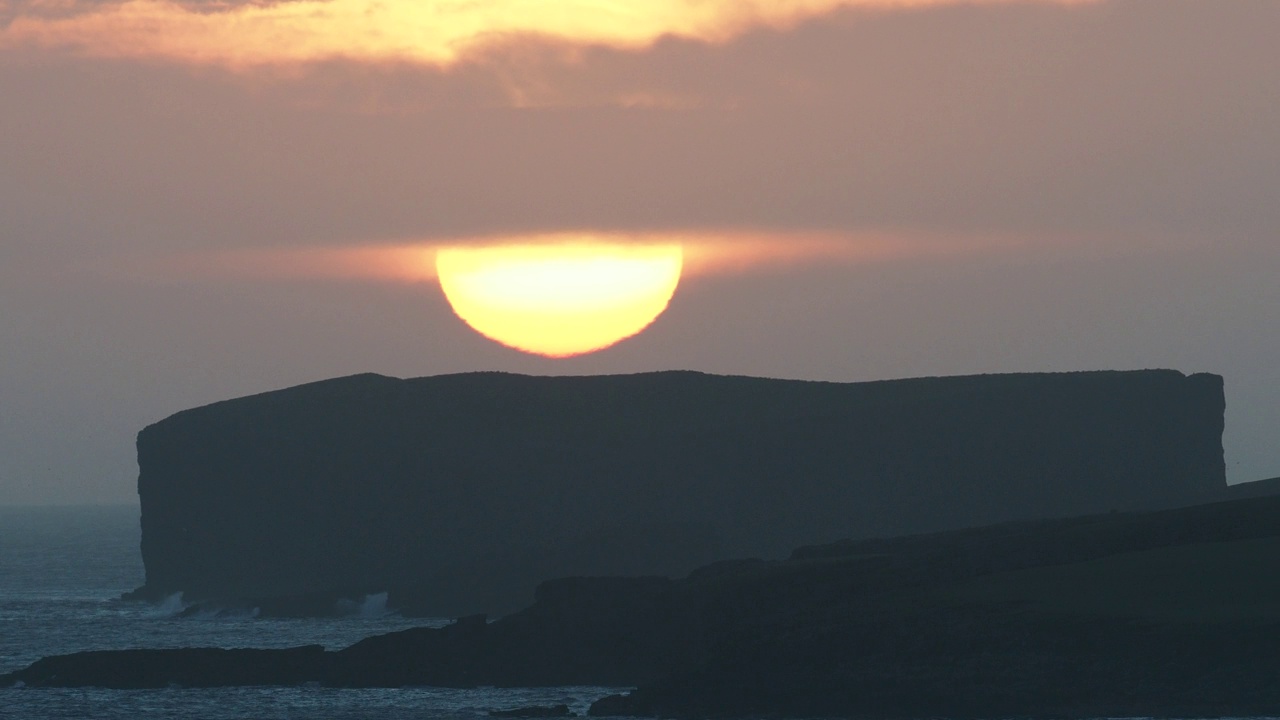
[
  {"x": 571, "y": 293},
  {"x": 704, "y": 253},
  {"x": 431, "y": 32},
  {"x": 559, "y": 299}
]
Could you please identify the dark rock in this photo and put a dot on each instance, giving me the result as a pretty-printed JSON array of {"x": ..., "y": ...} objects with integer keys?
[
  {"x": 460, "y": 493},
  {"x": 185, "y": 667},
  {"x": 471, "y": 623}
]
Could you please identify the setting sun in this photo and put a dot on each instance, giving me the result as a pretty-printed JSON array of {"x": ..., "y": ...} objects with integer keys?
[{"x": 561, "y": 299}]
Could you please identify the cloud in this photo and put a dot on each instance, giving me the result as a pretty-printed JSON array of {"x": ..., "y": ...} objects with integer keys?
[
  {"x": 432, "y": 33},
  {"x": 1137, "y": 121}
]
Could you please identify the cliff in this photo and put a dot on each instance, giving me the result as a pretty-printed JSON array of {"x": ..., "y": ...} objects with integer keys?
[{"x": 459, "y": 493}]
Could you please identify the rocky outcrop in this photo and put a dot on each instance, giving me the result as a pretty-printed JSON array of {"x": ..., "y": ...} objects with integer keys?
[
  {"x": 458, "y": 494},
  {"x": 183, "y": 667}
]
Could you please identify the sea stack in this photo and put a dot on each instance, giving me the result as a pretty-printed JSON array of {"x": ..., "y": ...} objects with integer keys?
[{"x": 457, "y": 494}]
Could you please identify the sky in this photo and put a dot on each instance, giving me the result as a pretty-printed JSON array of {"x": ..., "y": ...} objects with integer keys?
[{"x": 202, "y": 200}]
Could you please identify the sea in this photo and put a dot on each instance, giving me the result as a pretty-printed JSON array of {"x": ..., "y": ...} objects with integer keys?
[{"x": 62, "y": 571}]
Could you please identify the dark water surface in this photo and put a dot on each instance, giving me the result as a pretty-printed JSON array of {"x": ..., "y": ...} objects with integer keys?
[{"x": 60, "y": 572}]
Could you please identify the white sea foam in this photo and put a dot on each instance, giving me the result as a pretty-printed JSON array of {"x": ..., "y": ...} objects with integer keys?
[
  {"x": 171, "y": 605},
  {"x": 370, "y": 606},
  {"x": 374, "y": 605}
]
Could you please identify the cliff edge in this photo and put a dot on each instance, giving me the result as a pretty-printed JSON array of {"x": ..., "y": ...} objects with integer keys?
[{"x": 459, "y": 493}]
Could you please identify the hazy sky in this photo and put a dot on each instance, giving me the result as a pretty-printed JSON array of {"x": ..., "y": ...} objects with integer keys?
[{"x": 1008, "y": 186}]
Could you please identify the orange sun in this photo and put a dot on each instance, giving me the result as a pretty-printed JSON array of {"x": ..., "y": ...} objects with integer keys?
[{"x": 560, "y": 299}]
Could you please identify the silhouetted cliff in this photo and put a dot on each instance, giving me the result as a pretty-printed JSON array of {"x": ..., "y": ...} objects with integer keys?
[{"x": 459, "y": 493}]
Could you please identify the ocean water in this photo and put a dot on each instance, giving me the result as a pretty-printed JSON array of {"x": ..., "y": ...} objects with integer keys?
[{"x": 61, "y": 570}]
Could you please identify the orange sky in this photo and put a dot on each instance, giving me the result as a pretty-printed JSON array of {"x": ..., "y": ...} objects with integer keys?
[
  {"x": 392, "y": 30},
  {"x": 705, "y": 254}
]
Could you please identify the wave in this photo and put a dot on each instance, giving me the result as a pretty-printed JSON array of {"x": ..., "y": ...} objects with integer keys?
[
  {"x": 373, "y": 605},
  {"x": 170, "y": 606}
]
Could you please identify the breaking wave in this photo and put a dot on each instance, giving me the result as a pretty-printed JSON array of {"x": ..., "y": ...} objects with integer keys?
[
  {"x": 171, "y": 606},
  {"x": 370, "y": 606}
]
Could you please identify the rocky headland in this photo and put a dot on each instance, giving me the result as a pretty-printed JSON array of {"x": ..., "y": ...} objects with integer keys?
[
  {"x": 459, "y": 494},
  {"x": 1169, "y": 614}
]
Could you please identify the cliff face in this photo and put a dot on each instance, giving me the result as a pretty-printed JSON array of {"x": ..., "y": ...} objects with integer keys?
[{"x": 459, "y": 493}]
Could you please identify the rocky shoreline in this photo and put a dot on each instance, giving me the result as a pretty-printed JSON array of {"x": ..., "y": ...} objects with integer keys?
[{"x": 1174, "y": 613}]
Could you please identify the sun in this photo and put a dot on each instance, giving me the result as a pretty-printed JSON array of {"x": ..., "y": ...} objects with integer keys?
[{"x": 560, "y": 299}]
